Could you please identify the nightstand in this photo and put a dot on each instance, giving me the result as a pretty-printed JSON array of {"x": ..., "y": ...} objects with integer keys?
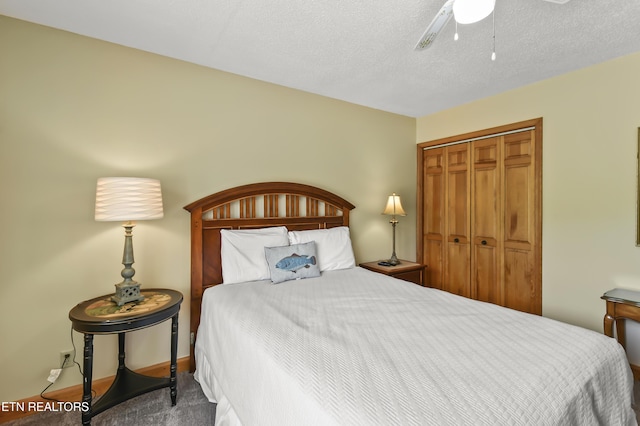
[
  {"x": 408, "y": 271},
  {"x": 103, "y": 316},
  {"x": 622, "y": 304}
]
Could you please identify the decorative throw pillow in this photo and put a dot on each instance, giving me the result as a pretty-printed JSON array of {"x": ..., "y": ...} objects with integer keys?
[
  {"x": 242, "y": 252},
  {"x": 292, "y": 262},
  {"x": 333, "y": 245}
]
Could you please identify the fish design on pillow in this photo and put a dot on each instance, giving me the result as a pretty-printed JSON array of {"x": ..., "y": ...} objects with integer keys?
[{"x": 295, "y": 261}]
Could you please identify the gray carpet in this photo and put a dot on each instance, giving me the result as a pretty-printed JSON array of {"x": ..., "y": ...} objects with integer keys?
[{"x": 154, "y": 408}]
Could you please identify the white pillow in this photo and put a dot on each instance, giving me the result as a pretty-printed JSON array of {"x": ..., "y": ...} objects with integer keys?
[
  {"x": 242, "y": 252},
  {"x": 333, "y": 246}
]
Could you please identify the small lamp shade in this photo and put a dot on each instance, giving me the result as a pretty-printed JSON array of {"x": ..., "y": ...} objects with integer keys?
[
  {"x": 394, "y": 207},
  {"x": 471, "y": 11},
  {"x": 128, "y": 199}
]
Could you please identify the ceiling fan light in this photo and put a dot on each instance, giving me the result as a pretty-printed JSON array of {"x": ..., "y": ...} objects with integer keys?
[{"x": 471, "y": 11}]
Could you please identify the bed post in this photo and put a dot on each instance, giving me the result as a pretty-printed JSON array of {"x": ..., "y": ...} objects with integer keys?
[{"x": 196, "y": 281}]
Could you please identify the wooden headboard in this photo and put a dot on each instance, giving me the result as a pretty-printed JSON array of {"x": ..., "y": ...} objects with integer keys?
[{"x": 259, "y": 205}]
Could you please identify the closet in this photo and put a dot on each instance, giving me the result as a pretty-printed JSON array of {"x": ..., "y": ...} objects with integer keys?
[{"x": 480, "y": 217}]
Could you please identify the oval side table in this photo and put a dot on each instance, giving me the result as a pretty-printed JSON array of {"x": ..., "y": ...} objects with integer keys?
[{"x": 103, "y": 316}]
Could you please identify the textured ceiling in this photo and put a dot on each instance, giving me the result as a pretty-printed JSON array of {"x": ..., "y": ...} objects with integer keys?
[{"x": 359, "y": 51}]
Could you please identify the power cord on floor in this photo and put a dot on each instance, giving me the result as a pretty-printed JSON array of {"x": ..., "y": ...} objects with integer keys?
[{"x": 53, "y": 377}]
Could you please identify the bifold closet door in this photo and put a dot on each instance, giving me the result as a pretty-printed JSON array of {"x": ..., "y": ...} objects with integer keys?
[
  {"x": 480, "y": 229},
  {"x": 433, "y": 216},
  {"x": 522, "y": 223},
  {"x": 457, "y": 259},
  {"x": 486, "y": 221}
]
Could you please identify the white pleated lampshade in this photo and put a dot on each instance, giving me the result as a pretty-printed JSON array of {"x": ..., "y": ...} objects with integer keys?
[
  {"x": 128, "y": 199},
  {"x": 394, "y": 207}
]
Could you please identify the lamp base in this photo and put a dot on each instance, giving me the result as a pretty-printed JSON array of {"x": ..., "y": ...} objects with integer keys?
[
  {"x": 127, "y": 292},
  {"x": 393, "y": 261}
]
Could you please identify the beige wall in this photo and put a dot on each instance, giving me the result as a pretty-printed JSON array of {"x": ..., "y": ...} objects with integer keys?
[
  {"x": 591, "y": 119},
  {"x": 73, "y": 109}
]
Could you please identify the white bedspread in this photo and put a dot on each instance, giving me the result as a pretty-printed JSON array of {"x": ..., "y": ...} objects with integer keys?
[{"x": 358, "y": 348}]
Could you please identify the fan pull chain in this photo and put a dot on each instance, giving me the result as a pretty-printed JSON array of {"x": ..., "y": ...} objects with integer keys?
[
  {"x": 455, "y": 36},
  {"x": 493, "y": 54}
]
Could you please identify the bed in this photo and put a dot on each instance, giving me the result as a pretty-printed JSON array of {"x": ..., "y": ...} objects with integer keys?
[{"x": 344, "y": 345}]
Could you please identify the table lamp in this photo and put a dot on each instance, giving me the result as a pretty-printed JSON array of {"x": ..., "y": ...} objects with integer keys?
[
  {"x": 393, "y": 209},
  {"x": 127, "y": 199}
]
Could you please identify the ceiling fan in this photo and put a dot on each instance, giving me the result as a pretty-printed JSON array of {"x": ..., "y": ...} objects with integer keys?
[{"x": 454, "y": 7}]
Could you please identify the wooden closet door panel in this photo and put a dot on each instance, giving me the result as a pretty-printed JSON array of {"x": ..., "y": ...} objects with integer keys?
[
  {"x": 521, "y": 284},
  {"x": 520, "y": 292},
  {"x": 486, "y": 282},
  {"x": 434, "y": 259},
  {"x": 433, "y": 220},
  {"x": 486, "y": 219},
  {"x": 457, "y": 277}
]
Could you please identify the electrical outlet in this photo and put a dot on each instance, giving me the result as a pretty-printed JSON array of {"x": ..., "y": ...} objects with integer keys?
[{"x": 66, "y": 359}]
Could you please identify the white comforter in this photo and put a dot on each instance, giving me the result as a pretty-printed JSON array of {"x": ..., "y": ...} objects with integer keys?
[{"x": 358, "y": 348}]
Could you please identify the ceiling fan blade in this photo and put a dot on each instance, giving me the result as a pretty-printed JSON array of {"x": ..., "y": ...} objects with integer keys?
[{"x": 442, "y": 17}]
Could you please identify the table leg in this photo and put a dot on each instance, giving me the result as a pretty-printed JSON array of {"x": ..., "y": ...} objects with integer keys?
[
  {"x": 608, "y": 325},
  {"x": 621, "y": 333},
  {"x": 121, "y": 365},
  {"x": 174, "y": 359},
  {"x": 88, "y": 372}
]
